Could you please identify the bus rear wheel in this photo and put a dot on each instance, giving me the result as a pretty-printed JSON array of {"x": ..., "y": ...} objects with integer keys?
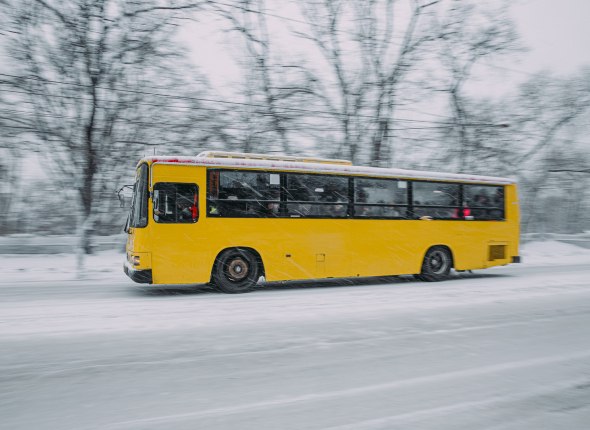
[
  {"x": 236, "y": 271},
  {"x": 436, "y": 265}
]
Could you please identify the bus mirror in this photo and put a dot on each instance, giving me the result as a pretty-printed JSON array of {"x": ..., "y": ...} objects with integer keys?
[{"x": 125, "y": 194}]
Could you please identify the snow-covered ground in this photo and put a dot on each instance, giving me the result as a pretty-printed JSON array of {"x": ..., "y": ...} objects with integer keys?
[
  {"x": 103, "y": 265},
  {"x": 501, "y": 349},
  {"x": 551, "y": 253}
]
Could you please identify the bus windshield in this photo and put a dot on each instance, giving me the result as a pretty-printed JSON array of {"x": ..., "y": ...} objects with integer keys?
[{"x": 139, "y": 205}]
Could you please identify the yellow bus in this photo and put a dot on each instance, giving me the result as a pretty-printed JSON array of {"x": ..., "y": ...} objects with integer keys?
[{"x": 233, "y": 219}]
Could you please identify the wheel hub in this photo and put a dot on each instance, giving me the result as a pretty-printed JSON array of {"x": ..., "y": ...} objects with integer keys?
[
  {"x": 237, "y": 269},
  {"x": 437, "y": 262}
]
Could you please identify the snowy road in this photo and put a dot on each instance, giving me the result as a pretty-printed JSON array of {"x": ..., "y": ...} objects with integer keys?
[{"x": 507, "y": 348}]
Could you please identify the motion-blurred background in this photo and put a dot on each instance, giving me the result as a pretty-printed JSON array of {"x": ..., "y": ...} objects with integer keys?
[{"x": 87, "y": 87}]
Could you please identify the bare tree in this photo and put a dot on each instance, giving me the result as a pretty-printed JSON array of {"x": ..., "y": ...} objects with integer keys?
[
  {"x": 547, "y": 111},
  {"x": 85, "y": 75},
  {"x": 391, "y": 71},
  {"x": 272, "y": 89},
  {"x": 370, "y": 47},
  {"x": 12, "y": 146},
  {"x": 566, "y": 203},
  {"x": 472, "y": 34},
  {"x": 10, "y": 168}
]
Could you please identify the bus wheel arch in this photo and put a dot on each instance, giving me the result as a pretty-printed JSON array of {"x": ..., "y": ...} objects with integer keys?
[
  {"x": 237, "y": 269},
  {"x": 437, "y": 264}
]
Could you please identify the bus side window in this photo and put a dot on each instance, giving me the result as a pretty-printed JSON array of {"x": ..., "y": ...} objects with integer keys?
[
  {"x": 437, "y": 200},
  {"x": 486, "y": 202},
  {"x": 244, "y": 194},
  {"x": 316, "y": 196},
  {"x": 380, "y": 198},
  {"x": 175, "y": 203}
]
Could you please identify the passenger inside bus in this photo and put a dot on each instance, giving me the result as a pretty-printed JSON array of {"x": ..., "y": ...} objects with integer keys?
[
  {"x": 480, "y": 204},
  {"x": 184, "y": 208}
]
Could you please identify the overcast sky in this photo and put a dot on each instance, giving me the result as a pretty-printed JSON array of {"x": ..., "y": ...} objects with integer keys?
[{"x": 556, "y": 31}]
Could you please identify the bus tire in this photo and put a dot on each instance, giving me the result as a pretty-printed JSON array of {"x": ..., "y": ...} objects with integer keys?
[
  {"x": 437, "y": 264},
  {"x": 236, "y": 271}
]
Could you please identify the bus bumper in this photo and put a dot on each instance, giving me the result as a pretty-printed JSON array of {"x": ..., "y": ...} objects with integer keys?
[
  {"x": 139, "y": 276},
  {"x": 516, "y": 259}
]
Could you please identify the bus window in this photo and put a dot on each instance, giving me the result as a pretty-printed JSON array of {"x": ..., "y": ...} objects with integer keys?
[
  {"x": 486, "y": 202},
  {"x": 316, "y": 196},
  {"x": 176, "y": 203},
  {"x": 243, "y": 194},
  {"x": 380, "y": 198},
  {"x": 436, "y": 200}
]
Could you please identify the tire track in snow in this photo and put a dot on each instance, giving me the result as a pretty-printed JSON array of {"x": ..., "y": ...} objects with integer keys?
[{"x": 356, "y": 391}]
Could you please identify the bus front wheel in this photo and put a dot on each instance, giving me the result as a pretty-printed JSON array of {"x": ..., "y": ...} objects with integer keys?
[
  {"x": 437, "y": 264},
  {"x": 236, "y": 271}
]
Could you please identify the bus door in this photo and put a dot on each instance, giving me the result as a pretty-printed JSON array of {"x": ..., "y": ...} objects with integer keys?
[{"x": 175, "y": 213}]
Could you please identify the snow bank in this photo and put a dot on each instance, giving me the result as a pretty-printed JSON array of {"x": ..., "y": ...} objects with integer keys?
[
  {"x": 552, "y": 252},
  {"x": 56, "y": 244},
  {"x": 104, "y": 265}
]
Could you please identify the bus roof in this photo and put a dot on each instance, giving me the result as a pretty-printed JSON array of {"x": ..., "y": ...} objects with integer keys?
[{"x": 320, "y": 166}]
